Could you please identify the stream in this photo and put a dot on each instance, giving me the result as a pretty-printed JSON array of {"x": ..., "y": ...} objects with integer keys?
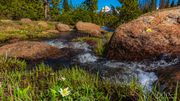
[{"x": 116, "y": 71}]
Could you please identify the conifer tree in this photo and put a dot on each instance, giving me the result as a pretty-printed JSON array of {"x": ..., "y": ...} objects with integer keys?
[
  {"x": 153, "y": 4},
  {"x": 167, "y": 3},
  {"x": 91, "y": 5},
  {"x": 66, "y": 5},
  {"x": 178, "y": 2},
  {"x": 130, "y": 10},
  {"x": 54, "y": 8},
  {"x": 162, "y": 4},
  {"x": 17, "y": 9},
  {"x": 172, "y": 3}
]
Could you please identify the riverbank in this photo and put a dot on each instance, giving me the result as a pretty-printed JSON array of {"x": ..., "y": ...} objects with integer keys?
[
  {"x": 53, "y": 61},
  {"x": 42, "y": 83}
]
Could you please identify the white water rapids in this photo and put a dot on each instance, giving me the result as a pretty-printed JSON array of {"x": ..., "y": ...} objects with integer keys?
[{"x": 115, "y": 69}]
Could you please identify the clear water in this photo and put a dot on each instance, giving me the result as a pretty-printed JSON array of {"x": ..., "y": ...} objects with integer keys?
[{"x": 115, "y": 70}]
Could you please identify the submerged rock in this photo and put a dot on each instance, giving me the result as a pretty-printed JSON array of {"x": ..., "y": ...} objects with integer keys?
[
  {"x": 147, "y": 37},
  {"x": 62, "y": 27},
  {"x": 31, "y": 50},
  {"x": 90, "y": 28},
  {"x": 169, "y": 77}
]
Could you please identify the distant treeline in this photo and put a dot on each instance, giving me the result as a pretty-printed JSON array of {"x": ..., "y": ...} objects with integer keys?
[
  {"x": 62, "y": 10},
  {"x": 149, "y": 5}
]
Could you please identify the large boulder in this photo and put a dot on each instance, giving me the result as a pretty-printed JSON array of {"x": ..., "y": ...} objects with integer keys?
[
  {"x": 147, "y": 37},
  {"x": 62, "y": 27},
  {"x": 31, "y": 50},
  {"x": 90, "y": 28}
]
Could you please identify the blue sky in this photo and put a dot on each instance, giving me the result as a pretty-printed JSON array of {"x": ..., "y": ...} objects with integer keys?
[{"x": 102, "y": 3}]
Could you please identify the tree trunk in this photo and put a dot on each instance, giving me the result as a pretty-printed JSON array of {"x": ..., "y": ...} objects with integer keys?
[
  {"x": 46, "y": 9},
  {"x": 162, "y": 4},
  {"x": 153, "y": 4}
]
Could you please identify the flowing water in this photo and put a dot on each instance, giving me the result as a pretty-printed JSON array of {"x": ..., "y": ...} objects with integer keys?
[{"x": 116, "y": 71}]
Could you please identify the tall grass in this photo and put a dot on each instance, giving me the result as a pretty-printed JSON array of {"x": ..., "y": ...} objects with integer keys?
[
  {"x": 44, "y": 84},
  {"x": 100, "y": 43},
  {"x": 16, "y": 30}
]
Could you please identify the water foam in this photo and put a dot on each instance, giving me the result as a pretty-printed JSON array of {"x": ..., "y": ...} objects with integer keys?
[
  {"x": 130, "y": 69},
  {"x": 146, "y": 79},
  {"x": 87, "y": 58},
  {"x": 73, "y": 45}
]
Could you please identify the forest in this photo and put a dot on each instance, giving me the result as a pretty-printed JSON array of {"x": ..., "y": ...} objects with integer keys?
[{"x": 65, "y": 12}]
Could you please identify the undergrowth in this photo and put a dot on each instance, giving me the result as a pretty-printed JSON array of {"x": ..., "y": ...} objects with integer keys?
[
  {"x": 68, "y": 84},
  {"x": 17, "y": 30},
  {"x": 99, "y": 44}
]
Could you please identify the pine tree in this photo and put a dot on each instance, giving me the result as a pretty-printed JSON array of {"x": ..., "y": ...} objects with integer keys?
[
  {"x": 91, "y": 5},
  {"x": 162, "y": 4},
  {"x": 130, "y": 10},
  {"x": 178, "y": 2},
  {"x": 153, "y": 4},
  {"x": 167, "y": 3},
  {"x": 172, "y": 4},
  {"x": 17, "y": 9},
  {"x": 54, "y": 8},
  {"x": 66, "y": 5}
]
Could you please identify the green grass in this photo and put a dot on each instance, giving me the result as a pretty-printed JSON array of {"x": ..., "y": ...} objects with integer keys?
[
  {"x": 10, "y": 30},
  {"x": 44, "y": 84},
  {"x": 100, "y": 44}
]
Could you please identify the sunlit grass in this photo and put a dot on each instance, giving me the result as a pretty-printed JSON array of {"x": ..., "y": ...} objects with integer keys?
[
  {"x": 69, "y": 84},
  {"x": 99, "y": 44},
  {"x": 10, "y": 30}
]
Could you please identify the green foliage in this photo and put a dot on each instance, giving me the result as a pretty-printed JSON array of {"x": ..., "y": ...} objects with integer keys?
[
  {"x": 130, "y": 10},
  {"x": 44, "y": 84},
  {"x": 99, "y": 44},
  {"x": 80, "y": 14},
  {"x": 100, "y": 48},
  {"x": 8, "y": 64},
  {"x": 91, "y": 5},
  {"x": 178, "y": 2},
  {"x": 22, "y": 93},
  {"x": 61, "y": 10},
  {"x": 10, "y": 30},
  {"x": 153, "y": 4},
  {"x": 66, "y": 6},
  {"x": 54, "y": 8},
  {"x": 16, "y": 9}
]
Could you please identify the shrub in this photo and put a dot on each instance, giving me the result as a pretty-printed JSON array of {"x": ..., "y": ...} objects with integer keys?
[
  {"x": 130, "y": 10},
  {"x": 16, "y": 9}
]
